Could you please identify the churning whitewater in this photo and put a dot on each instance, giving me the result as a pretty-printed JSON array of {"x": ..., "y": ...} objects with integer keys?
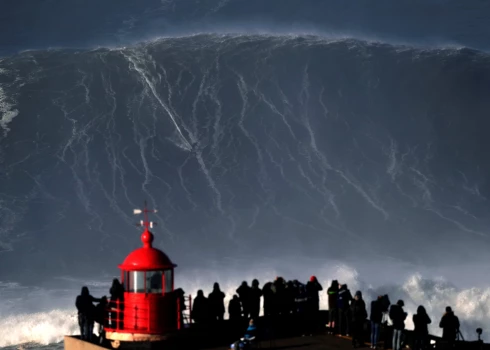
[
  {"x": 257, "y": 150},
  {"x": 48, "y": 327}
]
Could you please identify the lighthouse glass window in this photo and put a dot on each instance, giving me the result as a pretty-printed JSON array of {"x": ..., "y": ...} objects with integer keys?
[
  {"x": 136, "y": 281},
  {"x": 154, "y": 281}
]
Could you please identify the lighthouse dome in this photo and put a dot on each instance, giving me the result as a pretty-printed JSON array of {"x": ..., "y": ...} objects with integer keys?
[{"x": 147, "y": 258}]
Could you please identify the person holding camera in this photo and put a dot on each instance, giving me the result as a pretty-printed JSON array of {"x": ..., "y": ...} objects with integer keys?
[
  {"x": 398, "y": 316},
  {"x": 450, "y": 326}
]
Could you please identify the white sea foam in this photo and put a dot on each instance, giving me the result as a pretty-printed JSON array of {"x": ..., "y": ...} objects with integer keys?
[
  {"x": 471, "y": 305},
  {"x": 7, "y": 112}
]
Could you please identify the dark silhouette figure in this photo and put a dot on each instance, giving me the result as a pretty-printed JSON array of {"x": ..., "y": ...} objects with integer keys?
[
  {"x": 333, "y": 293},
  {"x": 300, "y": 297},
  {"x": 279, "y": 298},
  {"x": 200, "y": 308},
  {"x": 343, "y": 304},
  {"x": 376, "y": 318},
  {"x": 268, "y": 298},
  {"x": 450, "y": 326},
  {"x": 86, "y": 313},
  {"x": 255, "y": 295},
  {"x": 398, "y": 316},
  {"x": 216, "y": 303},
  {"x": 235, "y": 308},
  {"x": 304, "y": 309},
  {"x": 313, "y": 287},
  {"x": 386, "y": 332},
  {"x": 101, "y": 316},
  {"x": 359, "y": 315},
  {"x": 244, "y": 294},
  {"x": 116, "y": 304},
  {"x": 421, "y": 331}
]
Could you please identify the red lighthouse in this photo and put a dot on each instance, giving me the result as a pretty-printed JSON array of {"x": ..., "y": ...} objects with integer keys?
[{"x": 150, "y": 307}]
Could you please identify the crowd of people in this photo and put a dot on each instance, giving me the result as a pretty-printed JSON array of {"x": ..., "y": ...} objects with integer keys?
[
  {"x": 347, "y": 313},
  {"x": 279, "y": 297}
]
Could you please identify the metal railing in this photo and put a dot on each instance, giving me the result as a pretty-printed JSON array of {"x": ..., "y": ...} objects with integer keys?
[{"x": 121, "y": 316}]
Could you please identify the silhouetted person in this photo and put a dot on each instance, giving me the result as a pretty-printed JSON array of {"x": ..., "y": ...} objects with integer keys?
[
  {"x": 116, "y": 304},
  {"x": 386, "y": 332},
  {"x": 200, "y": 308},
  {"x": 101, "y": 315},
  {"x": 244, "y": 294},
  {"x": 313, "y": 287},
  {"x": 450, "y": 326},
  {"x": 343, "y": 304},
  {"x": 333, "y": 293},
  {"x": 268, "y": 298},
  {"x": 86, "y": 313},
  {"x": 359, "y": 315},
  {"x": 421, "y": 322},
  {"x": 235, "y": 308},
  {"x": 398, "y": 316},
  {"x": 278, "y": 288},
  {"x": 304, "y": 309},
  {"x": 255, "y": 295},
  {"x": 216, "y": 303},
  {"x": 376, "y": 317}
]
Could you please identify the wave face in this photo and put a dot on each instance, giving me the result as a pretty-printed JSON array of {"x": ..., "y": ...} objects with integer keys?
[
  {"x": 263, "y": 144},
  {"x": 257, "y": 150}
]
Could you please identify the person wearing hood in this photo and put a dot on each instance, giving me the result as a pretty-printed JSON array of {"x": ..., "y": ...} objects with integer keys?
[
  {"x": 216, "y": 300},
  {"x": 200, "y": 308},
  {"x": 450, "y": 326},
  {"x": 333, "y": 293},
  {"x": 86, "y": 313},
  {"x": 343, "y": 304},
  {"x": 421, "y": 331},
  {"x": 398, "y": 316},
  {"x": 359, "y": 315}
]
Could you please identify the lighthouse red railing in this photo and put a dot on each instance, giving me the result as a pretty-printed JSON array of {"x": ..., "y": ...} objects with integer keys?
[{"x": 128, "y": 317}]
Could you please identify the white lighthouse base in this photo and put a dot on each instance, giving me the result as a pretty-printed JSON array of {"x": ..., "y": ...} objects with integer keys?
[{"x": 117, "y": 337}]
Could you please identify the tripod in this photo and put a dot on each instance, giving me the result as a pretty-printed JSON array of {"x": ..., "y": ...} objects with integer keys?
[{"x": 459, "y": 336}]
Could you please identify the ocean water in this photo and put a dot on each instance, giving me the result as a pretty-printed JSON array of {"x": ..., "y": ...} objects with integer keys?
[{"x": 279, "y": 138}]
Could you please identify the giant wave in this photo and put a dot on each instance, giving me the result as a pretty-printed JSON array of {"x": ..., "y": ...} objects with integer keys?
[{"x": 253, "y": 147}]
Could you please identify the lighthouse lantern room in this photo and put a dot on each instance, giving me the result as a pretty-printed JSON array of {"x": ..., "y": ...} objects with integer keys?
[{"x": 149, "y": 309}]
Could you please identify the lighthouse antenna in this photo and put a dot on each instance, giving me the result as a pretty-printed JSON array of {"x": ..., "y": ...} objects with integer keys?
[{"x": 145, "y": 222}]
